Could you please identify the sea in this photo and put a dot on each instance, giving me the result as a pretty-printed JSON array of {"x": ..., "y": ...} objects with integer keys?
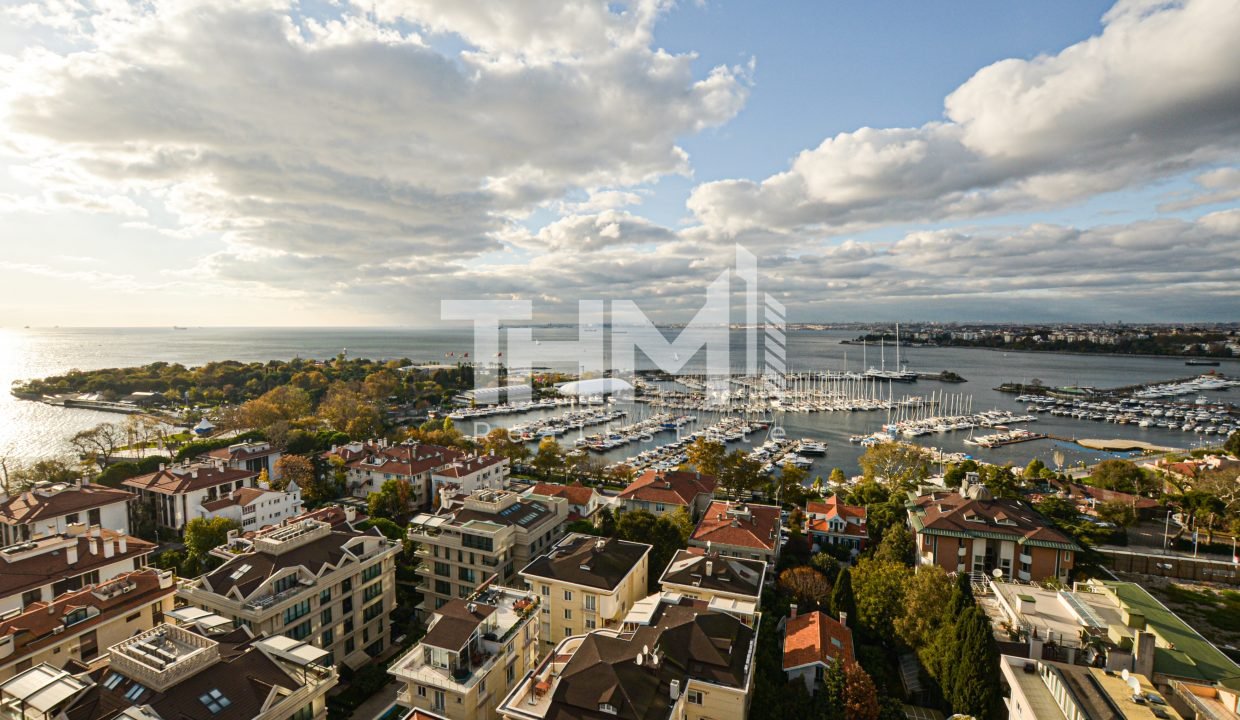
[{"x": 30, "y": 430}]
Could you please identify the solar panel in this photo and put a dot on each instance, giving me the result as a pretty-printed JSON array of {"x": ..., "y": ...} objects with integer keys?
[{"x": 1083, "y": 612}]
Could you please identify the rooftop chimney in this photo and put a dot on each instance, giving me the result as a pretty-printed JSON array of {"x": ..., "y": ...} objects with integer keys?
[
  {"x": 710, "y": 568},
  {"x": 792, "y": 611},
  {"x": 123, "y": 542},
  {"x": 91, "y": 543},
  {"x": 674, "y": 689},
  {"x": 108, "y": 549},
  {"x": 71, "y": 554}
]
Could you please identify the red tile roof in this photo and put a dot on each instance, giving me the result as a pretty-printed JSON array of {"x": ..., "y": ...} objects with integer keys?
[
  {"x": 60, "y": 499},
  {"x": 180, "y": 479},
  {"x": 739, "y": 525},
  {"x": 242, "y": 498},
  {"x": 576, "y": 494},
  {"x": 468, "y": 466},
  {"x": 832, "y": 507},
  {"x": 407, "y": 459},
  {"x": 957, "y": 515},
  {"x": 48, "y": 561},
  {"x": 670, "y": 487},
  {"x": 815, "y": 637}
]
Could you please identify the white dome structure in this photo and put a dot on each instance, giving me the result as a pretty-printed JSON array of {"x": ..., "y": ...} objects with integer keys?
[{"x": 598, "y": 386}]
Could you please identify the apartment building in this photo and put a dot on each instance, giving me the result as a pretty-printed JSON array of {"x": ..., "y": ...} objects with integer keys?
[
  {"x": 40, "y": 570},
  {"x": 726, "y": 584},
  {"x": 742, "y": 530},
  {"x": 672, "y": 658},
  {"x": 76, "y": 625},
  {"x": 255, "y": 457},
  {"x": 470, "y": 473},
  {"x": 52, "y": 508},
  {"x": 254, "y": 508},
  {"x": 971, "y": 531},
  {"x": 177, "y": 493},
  {"x": 583, "y": 502},
  {"x": 666, "y": 491},
  {"x": 169, "y": 672},
  {"x": 474, "y": 651},
  {"x": 367, "y": 465},
  {"x": 587, "y": 583},
  {"x": 483, "y": 534},
  {"x": 332, "y": 588},
  {"x": 1038, "y": 689}
]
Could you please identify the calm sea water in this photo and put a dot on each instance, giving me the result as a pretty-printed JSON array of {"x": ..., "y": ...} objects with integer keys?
[{"x": 31, "y": 429}]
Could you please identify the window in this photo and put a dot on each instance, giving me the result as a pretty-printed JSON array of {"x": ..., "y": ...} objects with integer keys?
[
  {"x": 134, "y": 692},
  {"x": 113, "y": 680},
  {"x": 590, "y": 603},
  {"x": 348, "y": 646},
  {"x": 284, "y": 583},
  {"x": 568, "y": 632},
  {"x": 301, "y": 632},
  {"x": 31, "y": 596},
  {"x": 443, "y": 569},
  {"x": 694, "y": 697},
  {"x": 375, "y": 648},
  {"x": 546, "y": 590},
  {"x": 371, "y": 572},
  {"x": 510, "y": 672},
  {"x": 421, "y": 691},
  {"x": 325, "y": 617},
  {"x": 93, "y": 517},
  {"x": 347, "y": 606},
  {"x": 296, "y": 610},
  {"x": 346, "y": 585},
  {"x": 591, "y": 624},
  {"x": 465, "y": 574},
  {"x": 568, "y": 614},
  {"x": 348, "y": 626},
  {"x": 305, "y": 713},
  {"x": 325, "y": 596},
  {"x": 568, "y": 595},
  {"x": 327, "y": 638},
  {"x": 72, "y": 518},
  {"x": 215, "y": 701},
  {"x": 75, "y": 617},
  {"x": 443, "y": 587},
  {"x": 370, "y": 592},
  {"x": 372, "y": 612}
]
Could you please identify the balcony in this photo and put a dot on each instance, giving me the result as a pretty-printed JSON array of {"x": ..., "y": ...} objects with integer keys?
[
  {"x": 266, "y": 601},
  {"x": 1026, "y": 559}
]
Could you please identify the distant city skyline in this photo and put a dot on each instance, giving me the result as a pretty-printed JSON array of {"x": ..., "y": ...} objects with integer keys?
[{"x": 264, "y": 163}]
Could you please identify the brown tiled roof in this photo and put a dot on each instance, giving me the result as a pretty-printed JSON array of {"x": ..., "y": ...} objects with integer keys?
[
  {"x": 180, "y": 479},
  {"x": 32, "y": 506},
  {"x": 670, "y": 487},
  {"x": 587, "y": 560},
  {"x": 45, "y": 568},
  {"x": 456, "y": 623},
  {"x": 724, "y": 523},
  {"x": 832, "y": 507},
  {"x": 262, "y": 565},
  {"x": 815, "y": 637},
  {"x": 576, "y": 494},
  {"x": 407, "y": 459},
  {"x": 242, "y": 497},
  {"x": 727, "y": 574},
  {"x": 468, "y": 466},
  {"x": 693, "y": 643},
  {"x": 956, "y": 514},
  {"x": 32, "y": 629}
]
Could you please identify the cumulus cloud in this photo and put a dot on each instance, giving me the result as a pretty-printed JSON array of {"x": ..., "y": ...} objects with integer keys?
[
  {"x": 349, "y": 140},
  {"x": 1154, "y": 94}
]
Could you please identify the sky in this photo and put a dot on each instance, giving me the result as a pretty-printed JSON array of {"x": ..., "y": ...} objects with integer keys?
[{"x": 328, "y": 162}]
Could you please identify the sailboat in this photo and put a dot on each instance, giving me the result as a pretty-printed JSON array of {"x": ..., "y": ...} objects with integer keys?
[{"x": 902, "y": 374}]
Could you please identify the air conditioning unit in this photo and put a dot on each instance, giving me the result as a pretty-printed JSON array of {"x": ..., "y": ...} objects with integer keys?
[
  {"x": 58, "y": 629},
  {"x": 127, "y": 588}
]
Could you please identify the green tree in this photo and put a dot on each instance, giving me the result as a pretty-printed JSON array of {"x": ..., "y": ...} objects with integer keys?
[
  {"x": 976, "y": 686},
  {"x": 706, "y": 456},
  {"x": 1121, "y": 475},
  {"x": 926, "y": 596},
  {"x": 346, "y": 410},
  {"x": 790, "y": 484},
  {"x": 837, "y": 478},
  {"x": 1034, "y": 469},
  {"x": 665, "y": 534},
  {"x": 896, "y": 545},
  {"x": 879, "y": 587},
  {"x": 294, "y": 469},
  {"x": 204, "y": 534},
  {"x": 843, "y": 602},
  {"x": 739, "y": 473},
  {"x": 827, "y": 565},
  {"x": 549, "y": 458},
  {"x": 99, "y": 443},
  {"x": 894, "y": 464},
  {"x": 1118, "y": 513},
  {"x": 391, "y": 500},
  {"x": 1232, "y": 446},
  {"x": 834, "y": 684},
  {"x": 50, "y": 470},
  {"x": 498, "y": 441},
  {"x": 390, "y": 530}
]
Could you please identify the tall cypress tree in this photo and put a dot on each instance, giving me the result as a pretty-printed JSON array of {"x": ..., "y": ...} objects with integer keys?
[
  {"x": 842, "y": 600},
  {"x": 975, "y": 682}
]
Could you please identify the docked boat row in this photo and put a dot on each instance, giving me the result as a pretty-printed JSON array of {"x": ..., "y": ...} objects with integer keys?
[
  {"x": 1009, "y": 437},
  {"x": 483, "y": 411},
  {"x": 1206, "y": 383},
  {"x": 556, "y": 426},
  {"x": 926, "y": 426},
  {"x": 1203, "y": 419},
  {"x": 635, "y": 432}
]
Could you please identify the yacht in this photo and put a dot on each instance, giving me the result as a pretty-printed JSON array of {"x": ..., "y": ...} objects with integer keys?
[{"x": 812, "y": 447}]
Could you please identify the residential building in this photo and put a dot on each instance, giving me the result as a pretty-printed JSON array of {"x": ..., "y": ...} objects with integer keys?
[
  {"x": 971, "y": 531},
  {"x": 255, "y": 457},
  {"x": 665, "y": 491},
  {"x": 473, "y": 653},
  {"x": 1047, "y": 690},
  {"x": 832, "y": 522},
  {"x": 173, "y": 673},
  {"x": 42, "y": 569},
  {"x": 671, "y": 659},
  {"x": 367, "y": 465},
  {"x": 583, "y": 501},
  {"x": 330, "y": 587},
  {"x": 1205, "y": 702},
  {"x": 177, "y": 493},
  {"x": 586, "y": 583},
  {"x": 78, "y": 624},
  {"x": 467, "y": 474},
  {"x": 52, "y": 508},
  {"x": 485, "y": 533},
  {"x": 726, "y": 584},
  {"x": 811, "y": 643},
  {"x": 743, "y": 530},
  {"x": 254, "y": 508}
]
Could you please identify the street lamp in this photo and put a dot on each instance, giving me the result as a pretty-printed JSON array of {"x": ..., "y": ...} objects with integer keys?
[{"x": 1167, "y": 531}]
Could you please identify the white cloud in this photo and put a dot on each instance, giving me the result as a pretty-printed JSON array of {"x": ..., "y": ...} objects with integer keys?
[{"x": 1154, "y": 94}]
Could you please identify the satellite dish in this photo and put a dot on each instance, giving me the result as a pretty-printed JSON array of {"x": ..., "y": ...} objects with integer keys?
[
  {"x": 997, "y": 573},
  {"x": 1135, "y": 683},
  {"x": 645, "y": 649},
  {"x": 1124, "y": 674}
]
